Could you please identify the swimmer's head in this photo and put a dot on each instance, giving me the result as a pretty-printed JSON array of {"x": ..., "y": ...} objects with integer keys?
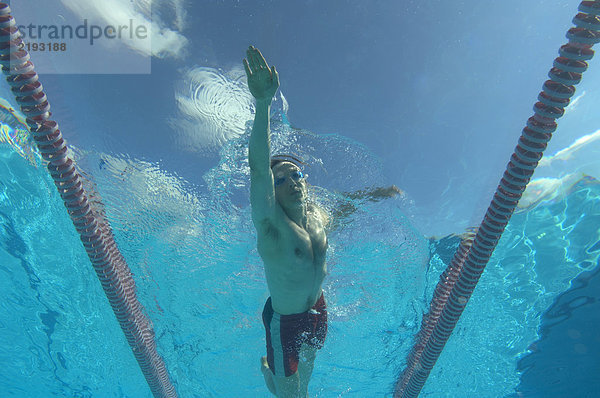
[
  {"x": 277, "y": 159},
  {"x": 289, "y": 181}
]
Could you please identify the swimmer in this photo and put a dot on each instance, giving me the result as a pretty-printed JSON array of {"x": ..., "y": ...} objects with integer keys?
[{"x": 292, "y": 243}]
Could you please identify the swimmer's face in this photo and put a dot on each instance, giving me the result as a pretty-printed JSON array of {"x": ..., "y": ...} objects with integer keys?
[{"x": 289, "y": 183}]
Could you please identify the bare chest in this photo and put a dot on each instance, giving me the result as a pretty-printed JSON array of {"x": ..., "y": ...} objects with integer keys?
[
  {"x": 295, "y": 246},
  {"x": 307, "y": 245}
]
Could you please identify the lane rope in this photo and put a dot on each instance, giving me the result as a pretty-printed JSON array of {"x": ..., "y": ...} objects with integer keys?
[
  {"x": 457, "y": 283},
  {"x": 93, "y": 229}
]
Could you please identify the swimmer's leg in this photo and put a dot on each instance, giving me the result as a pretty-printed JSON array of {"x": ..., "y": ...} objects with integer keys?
[
  {"x": 282, "y": 387},
  {"x": 288, "y": 387},
  {"x": 264, "y": 368},
  {"x": 306, "y": 364}
]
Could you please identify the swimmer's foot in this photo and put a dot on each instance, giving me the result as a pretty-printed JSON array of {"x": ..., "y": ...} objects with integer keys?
[
  {"x": 264, "y": 365},
  {"x": 266, "y": 371}
]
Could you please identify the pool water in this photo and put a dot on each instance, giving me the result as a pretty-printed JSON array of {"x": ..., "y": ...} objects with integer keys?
[{"x": 200, "y": 278}]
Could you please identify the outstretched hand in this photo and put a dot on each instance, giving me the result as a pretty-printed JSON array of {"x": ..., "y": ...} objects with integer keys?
[
  {"x": 376, "y": 194},
  {"x": 262, "y": 80}
]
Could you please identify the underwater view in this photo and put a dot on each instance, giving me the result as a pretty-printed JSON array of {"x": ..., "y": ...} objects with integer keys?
[{"x": 298, "y": 199}]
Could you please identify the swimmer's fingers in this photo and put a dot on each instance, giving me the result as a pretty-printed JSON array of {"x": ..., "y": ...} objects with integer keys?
[
  {"x": 251, "y": 55},
  {"x": 262, "y": 62},
  {"x": 274, "y": 76},
  {"x": 247, "y": 68},
  {"x": 256, "y": 59}
]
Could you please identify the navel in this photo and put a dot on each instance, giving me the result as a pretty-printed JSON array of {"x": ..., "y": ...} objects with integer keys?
[{"x": 298, "y": 252}]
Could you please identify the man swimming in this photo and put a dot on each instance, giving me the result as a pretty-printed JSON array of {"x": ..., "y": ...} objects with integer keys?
[{"x": 291, "y": 241}]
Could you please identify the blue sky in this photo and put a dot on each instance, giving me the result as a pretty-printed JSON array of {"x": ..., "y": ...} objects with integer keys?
[{"x": 438, "y": 90}]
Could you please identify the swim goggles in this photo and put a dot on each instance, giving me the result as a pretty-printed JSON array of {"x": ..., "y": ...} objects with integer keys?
[{"x": 296, "y": 176}]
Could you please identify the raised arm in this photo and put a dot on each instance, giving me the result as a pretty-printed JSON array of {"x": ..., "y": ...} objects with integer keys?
[{"x": 263, "y": 83}]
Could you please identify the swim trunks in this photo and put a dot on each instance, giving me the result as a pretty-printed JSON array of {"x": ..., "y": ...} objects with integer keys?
[{"x": 287, "y": 333}]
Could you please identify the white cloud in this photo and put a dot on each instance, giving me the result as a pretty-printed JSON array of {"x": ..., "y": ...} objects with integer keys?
[
  {"x": 165, "y": 41},
  {"x": 574, "y": 103},
  {"x": 214, "y": 107},
  {"x": 548, "y": 189},
  {"x": 567, "y": 153},
  {"x": 180, "y": 14}
]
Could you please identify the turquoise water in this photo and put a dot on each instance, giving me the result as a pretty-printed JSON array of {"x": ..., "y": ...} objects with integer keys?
[{"x": 199, "y": 276}]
